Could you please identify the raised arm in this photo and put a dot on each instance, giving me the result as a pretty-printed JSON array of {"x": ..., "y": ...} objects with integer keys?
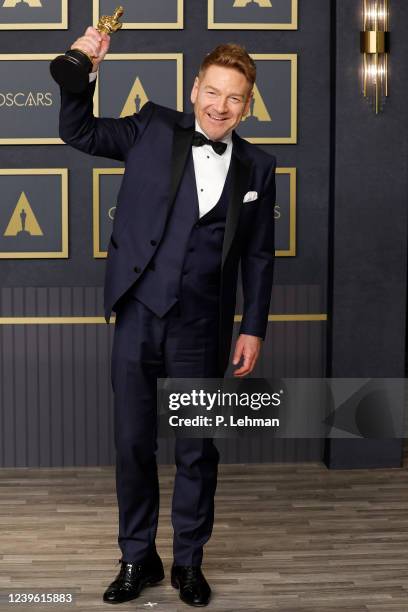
[{"x": 78, "y": 127}]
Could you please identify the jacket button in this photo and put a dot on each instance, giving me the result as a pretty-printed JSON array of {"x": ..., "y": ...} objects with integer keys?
[
  {"x": 197, "y": 225},
  {"x": 152, "y": 266},
  {"x": 137, "y": 269},
  {"x": 153, "y": 242}
]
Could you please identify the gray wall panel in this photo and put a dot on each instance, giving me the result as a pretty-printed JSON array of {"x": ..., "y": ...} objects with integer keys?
[
  {"x": 79, "y": 396},
  {"x": 68, "y": 409},
  {"x": 370, "y": 246},
  {"x": 56, "y": 400},
  {"x": 32, "y": 405},
  {"x": 20, "y": 395},
  {"x": 368, "y": 282},
  {"x": 8, "y": 409}
]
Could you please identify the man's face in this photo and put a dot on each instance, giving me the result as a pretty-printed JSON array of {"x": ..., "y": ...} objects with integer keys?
[{"x": 220, "y": 97}]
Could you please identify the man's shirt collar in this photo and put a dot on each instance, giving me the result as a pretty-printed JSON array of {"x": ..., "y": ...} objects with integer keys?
[{"x": 227, "y": 139}]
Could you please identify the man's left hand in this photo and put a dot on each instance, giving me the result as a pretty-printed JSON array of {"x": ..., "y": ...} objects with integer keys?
[{"x": 247, "y": 347}]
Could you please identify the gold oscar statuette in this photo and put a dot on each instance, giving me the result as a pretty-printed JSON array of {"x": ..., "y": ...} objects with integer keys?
[{"x": 71, "y": 70}]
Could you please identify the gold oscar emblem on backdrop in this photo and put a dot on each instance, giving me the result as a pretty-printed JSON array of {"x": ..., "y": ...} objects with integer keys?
[
  {"x": 23, "y": 221},
  {"x": 257, "y": 109},
  {"x": 71, "y": 71},
  {"x": 30, "y": 3},
  {"x": 135, "y": 100},
  {"x": 260, "y": 3}
]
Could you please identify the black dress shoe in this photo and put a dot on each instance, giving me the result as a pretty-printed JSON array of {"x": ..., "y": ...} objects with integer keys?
[
  {"x": 189, "y": 579},
  {"x": 132, "y": 578}
]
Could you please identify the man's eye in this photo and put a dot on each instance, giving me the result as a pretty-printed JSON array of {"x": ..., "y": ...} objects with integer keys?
[{"x": 235, "y": 99}]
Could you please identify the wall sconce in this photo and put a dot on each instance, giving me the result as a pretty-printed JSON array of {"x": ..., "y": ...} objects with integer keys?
[{"x": 375, "y": 45}]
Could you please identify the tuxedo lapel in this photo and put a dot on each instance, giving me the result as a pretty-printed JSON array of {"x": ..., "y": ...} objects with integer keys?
[
  {"x": 182, "y": 142},
  {"x": 240, "y": 174}
]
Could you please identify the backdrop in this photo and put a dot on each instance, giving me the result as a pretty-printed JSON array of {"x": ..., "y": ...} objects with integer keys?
[{"x": 339, "y": 297}]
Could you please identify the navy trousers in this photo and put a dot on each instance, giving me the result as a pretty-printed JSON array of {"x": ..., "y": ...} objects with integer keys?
[{"x": 182, "y": 344}]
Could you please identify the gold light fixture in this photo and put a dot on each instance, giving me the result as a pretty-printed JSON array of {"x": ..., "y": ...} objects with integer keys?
[{"x": 375, "y": 45}]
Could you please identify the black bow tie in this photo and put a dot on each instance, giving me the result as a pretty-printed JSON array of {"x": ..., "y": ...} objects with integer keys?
[{"x": 199, "y": 140}]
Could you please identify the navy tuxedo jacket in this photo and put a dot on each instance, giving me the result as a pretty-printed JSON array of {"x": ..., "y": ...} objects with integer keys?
[{"x": 154, "y": 144}]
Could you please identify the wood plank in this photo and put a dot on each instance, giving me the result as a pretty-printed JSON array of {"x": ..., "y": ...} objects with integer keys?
[{"x": 287, "y": 537}]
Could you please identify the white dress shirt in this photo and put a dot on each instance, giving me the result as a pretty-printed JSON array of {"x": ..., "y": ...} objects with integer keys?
[{"x": 210, "y": 169}]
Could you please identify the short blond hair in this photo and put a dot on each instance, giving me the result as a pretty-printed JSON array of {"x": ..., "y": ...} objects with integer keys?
[{"x": 231, "y": 55}]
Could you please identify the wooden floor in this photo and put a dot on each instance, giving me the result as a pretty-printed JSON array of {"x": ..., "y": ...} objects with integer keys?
[{"x": 287, "y": 537}]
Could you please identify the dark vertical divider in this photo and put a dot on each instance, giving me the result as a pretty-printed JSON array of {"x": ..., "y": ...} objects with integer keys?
[{"x": 368, "y": 227}]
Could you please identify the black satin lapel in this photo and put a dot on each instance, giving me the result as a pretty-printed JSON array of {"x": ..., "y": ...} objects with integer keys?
[
  {"x": 240, "y": 178},
  {"x": 181, "y": 147}
]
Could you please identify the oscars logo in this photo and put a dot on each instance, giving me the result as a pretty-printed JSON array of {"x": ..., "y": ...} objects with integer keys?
[
  {"x": 257, "y": 109},
  {"x": 30, "y": 3},
  {"x": 26, "y": 99},
  {"x": 136, "y": 99},
  {"x": 23, "y": 221},
  {"x": 245, "y": 3}
]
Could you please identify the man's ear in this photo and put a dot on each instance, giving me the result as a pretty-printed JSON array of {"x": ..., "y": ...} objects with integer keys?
[{"x": 194, "y": 90}]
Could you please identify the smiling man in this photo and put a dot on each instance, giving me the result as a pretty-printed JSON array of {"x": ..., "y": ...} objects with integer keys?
[
  {"x": 196, "y": 200},
  {"x": 221, "y": 98}
]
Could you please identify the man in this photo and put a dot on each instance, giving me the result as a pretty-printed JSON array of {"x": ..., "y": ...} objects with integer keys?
[{"x": 195, "y": 200}]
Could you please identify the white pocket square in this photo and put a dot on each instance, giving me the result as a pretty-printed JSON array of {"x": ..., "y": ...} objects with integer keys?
[{"x": 250, "y": 196}]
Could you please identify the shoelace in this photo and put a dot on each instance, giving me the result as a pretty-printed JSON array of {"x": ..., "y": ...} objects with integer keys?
[
  {"x": 127, "y": 572},
  {"x": 191, "y": 574}
]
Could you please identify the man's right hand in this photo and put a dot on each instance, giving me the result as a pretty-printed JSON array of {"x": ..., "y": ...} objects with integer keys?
[{"x": 94, "y": 44}]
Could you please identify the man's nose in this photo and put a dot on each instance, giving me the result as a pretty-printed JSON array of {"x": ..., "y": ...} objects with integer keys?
[{"x": 221, "y": 105}]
